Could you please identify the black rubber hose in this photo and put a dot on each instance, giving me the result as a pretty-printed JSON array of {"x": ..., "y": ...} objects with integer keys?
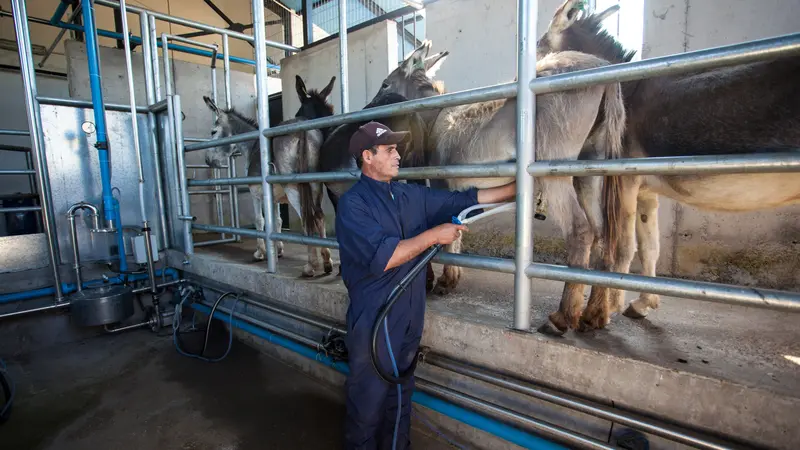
[
  {"x": 8, "y": 392},
  {"x": 211, "y": 317},
  {"x": 393, "y": 296}
]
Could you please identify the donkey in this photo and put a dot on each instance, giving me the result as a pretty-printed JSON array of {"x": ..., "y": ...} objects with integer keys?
[
  {"x": 292, "y": 153},
  {"x": 746, "y": 109},
  {"x": 565, "y": 121}
]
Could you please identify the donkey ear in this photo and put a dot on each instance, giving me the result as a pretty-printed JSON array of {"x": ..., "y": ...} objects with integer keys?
[
  {"x": 566, "y": 15},
  {"x": 416, "y": 60},
  {"x": 211, "y": 105},
  {"x": 610, "y": 11},
  {"x": 301, "y": 87},
  {"x": 326, "y": 92},
  {"x": 434, "y": 63}
]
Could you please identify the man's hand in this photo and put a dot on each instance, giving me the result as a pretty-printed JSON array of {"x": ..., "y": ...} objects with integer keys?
[{"x": 446, "y": 233}]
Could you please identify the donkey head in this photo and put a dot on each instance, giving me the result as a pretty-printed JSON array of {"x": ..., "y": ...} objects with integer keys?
[
  {"x": 313, "y": 104},
  {"x": 413, "y": 78},
  {"x": 573, "y": 29},
  {"x": 228, "y": 123}
]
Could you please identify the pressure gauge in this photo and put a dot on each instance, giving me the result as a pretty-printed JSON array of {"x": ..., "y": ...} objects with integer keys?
[{"x": 88, "y": 127}]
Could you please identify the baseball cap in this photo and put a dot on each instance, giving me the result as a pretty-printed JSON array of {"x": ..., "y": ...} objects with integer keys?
[{"x": 375, "y": 133}]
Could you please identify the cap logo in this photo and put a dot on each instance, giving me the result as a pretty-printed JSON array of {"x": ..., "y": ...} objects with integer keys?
[{"x": 379, "y": 131}]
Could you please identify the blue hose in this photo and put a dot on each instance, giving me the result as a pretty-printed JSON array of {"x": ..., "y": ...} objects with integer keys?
[{"x": 399, "y": 387}]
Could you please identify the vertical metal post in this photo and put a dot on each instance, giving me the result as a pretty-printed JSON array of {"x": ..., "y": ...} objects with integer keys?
[
  {"x": 218, "y": 200},
  {"x": 343, "y": 55},
  {"x": 308, "y": 22},
  {"x": 154, "y": 55},
  {"x": 147, "y": 58},
  {"x": 234, "y": 196},
  {"x": 37, "y": 136},
  {"x": 262, "y": 95},
  {"x": 151, "y": 272},
  {"x": 226, "y": 65},
  {"x": 527, "y": 11},
  {"x": 181, "y": 163},
  {"x": 167, "y": 69}
]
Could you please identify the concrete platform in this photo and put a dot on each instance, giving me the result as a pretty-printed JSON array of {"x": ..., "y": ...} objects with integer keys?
[
  {"x": 723, "y": 369},
  {"x": 134, "y": 391}
]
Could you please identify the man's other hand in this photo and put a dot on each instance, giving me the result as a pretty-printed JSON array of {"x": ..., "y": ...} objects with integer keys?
[{"x": 446, "y": 233}]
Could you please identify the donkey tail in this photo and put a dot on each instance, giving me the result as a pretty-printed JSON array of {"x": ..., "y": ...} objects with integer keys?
[
  {"x": 614, "y": 130},
  {"x": 313, "y": 217}
]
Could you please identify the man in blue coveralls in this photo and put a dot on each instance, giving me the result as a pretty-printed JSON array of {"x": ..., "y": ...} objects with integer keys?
[{"x": 383, "y": 227}]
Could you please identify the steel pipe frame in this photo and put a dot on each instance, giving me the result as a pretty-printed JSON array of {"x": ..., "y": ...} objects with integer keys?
[
  {"x": 343, "y": 70},
  {"x": 200, "y": 26},
  {"x": 262, "y": 99},
  {"x": 37, "y": 137},
  {"x": 576, "y": 404},
  {"x": 175, "y": 118},
  {"x": 20, "y": 209},
  {"x": 17, "y": 172},
  {"x": 4, "y": 132},
  {"x": 214, "y": 242},
  {"x": 86, "y": 104},
  {"x": 527, "y": 13}
]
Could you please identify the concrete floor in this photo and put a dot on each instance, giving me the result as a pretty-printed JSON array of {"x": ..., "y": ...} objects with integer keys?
[
  {"x": 751, "y": 346},
  {"x": 134, "y": 391}
]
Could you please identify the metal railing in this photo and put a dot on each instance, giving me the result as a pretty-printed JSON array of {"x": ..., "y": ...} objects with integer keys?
[{"x": 526, "y": 168}]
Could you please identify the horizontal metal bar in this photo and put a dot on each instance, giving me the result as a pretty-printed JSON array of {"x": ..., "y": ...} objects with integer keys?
[
  {"x": 246, "y": 232},
  {"x": 588, "y": 407},
  {"x": 17, "y": 172},
  {"x": 203, "y": 166},
  {"x": 157, "y": 107},
  {"x": 162, "y": 285},
  {"x": 252, "y": 321},
  {"x": 700, "y": 290},
  {"x": 192, "y": 42},
  {"x": 305, "y": 240},
  {"x": 502, "y": 265},
  {"x": 506, "y": 415},
  {"x": 20, "y": 209},
  {"x": 33, "y": 310},
  {"x": 500, "y": 91},
  {"x": 278, "y": 310},
  {"x": 197, "y": 25},
  {"x": 415, "y": 173},
  {"x": 712, "y": 58},
  {"x": 5, "y": 132},
  {"x": 214, "y": 242},
  {"x": 87, "y": 104},
  {"x": 193, "y": 139},
  {"x": 672, "y": 165},
  {"x": 209, "y": 192},
  {"x": 14, "y": 148}
]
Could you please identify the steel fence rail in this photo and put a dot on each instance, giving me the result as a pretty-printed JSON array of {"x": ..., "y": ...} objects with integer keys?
[
  {"x": 699, "y": 290},
  {"x": 713, "y": 58},
  {"x": 197, "y": 25},
  {"x": 673, "y": 165},
  {"x": 86, "y": 104},
  {"x": 500, "y": 170},
  {"x": 4, "y": 132}
]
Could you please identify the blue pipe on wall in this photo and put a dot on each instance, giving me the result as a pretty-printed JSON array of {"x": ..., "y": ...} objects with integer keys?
[
  {"x": 69, "y": 288},
  {"x": 492, "y": 426},
  {"x": 56, "y": 21},
  {"x": 123, "y": 262},
  {"x": 59, "y": 14},
  {"x": 95, "y": 83}
]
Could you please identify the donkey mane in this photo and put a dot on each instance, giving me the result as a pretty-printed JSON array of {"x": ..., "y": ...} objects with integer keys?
[
  {"x": 250, "y": 121},
  {"x": 605, "y": 45}
]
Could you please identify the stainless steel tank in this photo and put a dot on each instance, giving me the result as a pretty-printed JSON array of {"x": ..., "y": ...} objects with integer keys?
[{"x": 101, "y": 306}]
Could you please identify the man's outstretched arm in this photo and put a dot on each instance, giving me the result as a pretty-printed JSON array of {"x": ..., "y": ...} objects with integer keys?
[
  {"x": 408, "y": 249},
  {"x": 498, "y": 194}
]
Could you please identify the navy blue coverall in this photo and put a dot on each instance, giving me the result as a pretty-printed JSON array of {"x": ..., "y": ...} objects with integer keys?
[{"x": 373, "y": 217}]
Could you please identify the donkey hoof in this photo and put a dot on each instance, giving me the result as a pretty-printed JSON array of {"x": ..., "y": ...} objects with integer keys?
[
  {"x": 591, "y": 324},
  {"x": 634, "y": 313},
  {"x": 307, "y": 274},
  {"x": 441, "y": 289},
  {"x": 258, "y": 255},
  {"x": 328, "y": 267},
  {"x": 551, "y": 330}
]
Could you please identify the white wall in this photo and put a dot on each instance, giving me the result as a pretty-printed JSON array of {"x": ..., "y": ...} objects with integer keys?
[{"x": 372, "y": 54}]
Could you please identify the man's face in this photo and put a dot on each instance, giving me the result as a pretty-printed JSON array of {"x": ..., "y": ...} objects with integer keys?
[{"x": 384, "y": 164}]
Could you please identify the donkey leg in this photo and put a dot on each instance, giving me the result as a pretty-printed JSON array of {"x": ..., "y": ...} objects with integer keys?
[
  {"x": 579, "y": 244},
  {"x": 451, "y": 274},
  {"x": 431, "y": 278},
  {"x": 327, "y": 264},
  {"x": 314, "y": 262},
  {"x": 648, "y": 239},
  {"x": 258, "y": 210},
  {"x": 278, "y": 226}
]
